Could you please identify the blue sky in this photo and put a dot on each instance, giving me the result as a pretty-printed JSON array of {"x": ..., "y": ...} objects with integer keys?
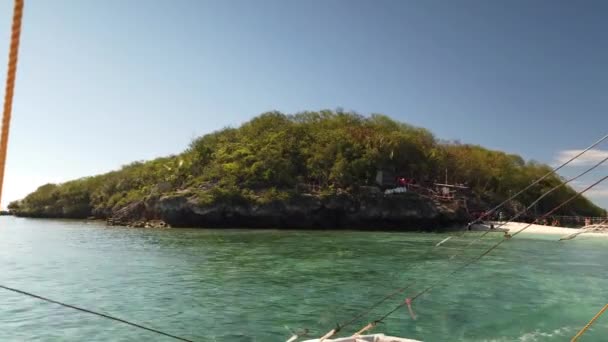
[{"x": 103, "y": 83}]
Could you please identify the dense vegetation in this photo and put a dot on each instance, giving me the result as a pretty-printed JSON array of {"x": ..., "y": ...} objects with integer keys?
[{"x": 272, "y": 156}]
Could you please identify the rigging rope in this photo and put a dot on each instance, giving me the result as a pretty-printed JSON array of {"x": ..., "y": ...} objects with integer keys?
[
  {"x": 588, "y": 325},
  {"x": 598, "y": 164},
  {"x": 491, "y": 211},
  {"x": 6, "y": 117},
  {"x": 9, "y": 92},
  {"x": 584, "y": 230},
  {"x": 94, "y": 313},
  {"x": 382, "y": 318},
  {"x": 390, "y": 295},
  {"x": 517, "y": 215}
]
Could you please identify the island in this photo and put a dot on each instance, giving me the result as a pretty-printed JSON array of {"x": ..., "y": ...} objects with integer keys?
[{"x": 311, "y": 170}]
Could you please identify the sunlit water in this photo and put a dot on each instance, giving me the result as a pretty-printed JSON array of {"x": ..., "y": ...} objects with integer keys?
[{"x": 249, "y": 285}]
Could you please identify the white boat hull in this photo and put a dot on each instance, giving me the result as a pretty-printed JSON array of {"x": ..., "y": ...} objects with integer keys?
[{"x": 367, "y": 338}]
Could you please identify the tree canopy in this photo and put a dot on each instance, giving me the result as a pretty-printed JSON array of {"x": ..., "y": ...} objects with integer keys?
[{"x": 269, "y": 156}]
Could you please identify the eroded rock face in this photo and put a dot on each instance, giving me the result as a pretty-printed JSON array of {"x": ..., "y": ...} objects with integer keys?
[
  {"x": 341, "y": 211},
  {"x": 130, "y": 213},
  {"x": 306, "y": 211}
]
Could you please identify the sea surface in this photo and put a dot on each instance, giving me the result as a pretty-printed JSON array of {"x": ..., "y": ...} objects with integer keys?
[{"x": 255, "y": 285}]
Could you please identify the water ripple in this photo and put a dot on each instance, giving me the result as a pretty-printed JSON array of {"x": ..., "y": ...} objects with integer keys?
[{"x": 248, "y": 285}]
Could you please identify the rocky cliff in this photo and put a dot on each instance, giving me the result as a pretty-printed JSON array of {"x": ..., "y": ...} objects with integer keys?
[{"x": 397, "y": 212}]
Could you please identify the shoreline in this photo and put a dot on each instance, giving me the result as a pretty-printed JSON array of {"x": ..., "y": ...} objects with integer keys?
[
  {"x": 514, "y": 227},
  {"x": 510, "y": 227}
]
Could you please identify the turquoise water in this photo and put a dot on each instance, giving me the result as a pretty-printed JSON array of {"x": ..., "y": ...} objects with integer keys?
[{"x": 249, "y": 285}]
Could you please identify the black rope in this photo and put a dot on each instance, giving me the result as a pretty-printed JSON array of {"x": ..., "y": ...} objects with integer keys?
[
  {"x": 390, "y": 295},
  {"x": 541, "y": 178},
  {"x": 491, "y": 249},
  {"x": 369, "y": 309},
  {"x": 517, "y": 215},
  {"x": 94, "y": 313},
  {"x": 366, "y": 311}
]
